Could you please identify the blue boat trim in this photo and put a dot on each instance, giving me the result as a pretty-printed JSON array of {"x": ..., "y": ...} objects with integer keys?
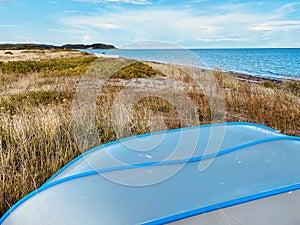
[
  {"x": 156, "y": 133},
  {"x": 223, "y": 205},
  {"x": 134, "y": 166}
]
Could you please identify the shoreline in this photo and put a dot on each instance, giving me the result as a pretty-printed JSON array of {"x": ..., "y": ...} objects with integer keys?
[
  {"x": 262, "y": 74},
  {"x": 240, "y": 76},
  {"x": 255, "y": 79},
  {"x": 36, "y": 55}
]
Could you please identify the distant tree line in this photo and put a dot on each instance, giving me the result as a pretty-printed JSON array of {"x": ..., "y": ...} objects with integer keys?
[
  {"x": 45, "y": 47},
  {"x": 93, "y": 46}
]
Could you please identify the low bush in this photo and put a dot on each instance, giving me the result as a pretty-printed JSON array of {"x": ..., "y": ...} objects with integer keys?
[{"x": 137, "y": 70}]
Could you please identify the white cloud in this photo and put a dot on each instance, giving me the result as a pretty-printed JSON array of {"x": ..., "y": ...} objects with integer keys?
[
  {"x": 71, "y": 11},
  {"x": 85, "y": 39},
  {"x": 157, "y": 22},
  {"x": 135, "y": 2},
  {"x": 146, "y": 24},
  {"x": 171, "y": 24},
  {"x": 221, "y": 38},
  {"x": 65, "y": 31},
  {"x": 90, "y": 22},
  {"x": 278, "y": 25},
  {"x": 290, "y": 7}
]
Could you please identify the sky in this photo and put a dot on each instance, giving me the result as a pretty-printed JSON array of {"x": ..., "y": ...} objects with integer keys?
[{"x": 188, "y": 24}]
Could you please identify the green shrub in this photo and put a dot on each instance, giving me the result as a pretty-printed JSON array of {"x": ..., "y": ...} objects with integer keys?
[
  {"x": 268, "y": 84},
  {"x": 137, "y": 70},
  {"x": 66, "y": 66}
]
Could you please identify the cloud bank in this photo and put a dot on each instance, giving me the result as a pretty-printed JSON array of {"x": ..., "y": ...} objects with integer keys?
[{"x": 183, "y": 25}]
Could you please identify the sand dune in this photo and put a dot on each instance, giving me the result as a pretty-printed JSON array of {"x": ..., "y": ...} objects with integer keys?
[{"x": 35, "y": 55}]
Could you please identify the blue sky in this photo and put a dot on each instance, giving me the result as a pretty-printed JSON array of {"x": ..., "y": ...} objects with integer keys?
[{"x": 191, "y": 23}]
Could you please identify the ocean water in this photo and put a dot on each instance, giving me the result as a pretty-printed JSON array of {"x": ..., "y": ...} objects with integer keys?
[{"x": 277, "y": 63}]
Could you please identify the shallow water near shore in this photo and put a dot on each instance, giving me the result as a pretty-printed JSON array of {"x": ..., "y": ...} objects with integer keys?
[{"x": 273, "y": 63}]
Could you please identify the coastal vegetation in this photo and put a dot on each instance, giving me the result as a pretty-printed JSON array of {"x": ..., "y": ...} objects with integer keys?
[
  {"x": 48, "y": 67},
  {"x": 37, "y": 128},
  {"x": 137, "y": 70}
]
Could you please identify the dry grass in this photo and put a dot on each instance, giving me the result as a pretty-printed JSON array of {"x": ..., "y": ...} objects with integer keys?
[
  {"x": 34, "y": 144},
  {"x": 36, "y": 126},
  {"x": 38, "y": 54},
  {"x": 276, "y": 106}
]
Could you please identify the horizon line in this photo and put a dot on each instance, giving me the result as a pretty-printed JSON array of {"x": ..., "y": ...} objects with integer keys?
[{"x": 156, "y": 48}]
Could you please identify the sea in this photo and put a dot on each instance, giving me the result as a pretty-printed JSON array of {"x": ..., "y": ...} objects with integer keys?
[{"x": 273, "y": 63}]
